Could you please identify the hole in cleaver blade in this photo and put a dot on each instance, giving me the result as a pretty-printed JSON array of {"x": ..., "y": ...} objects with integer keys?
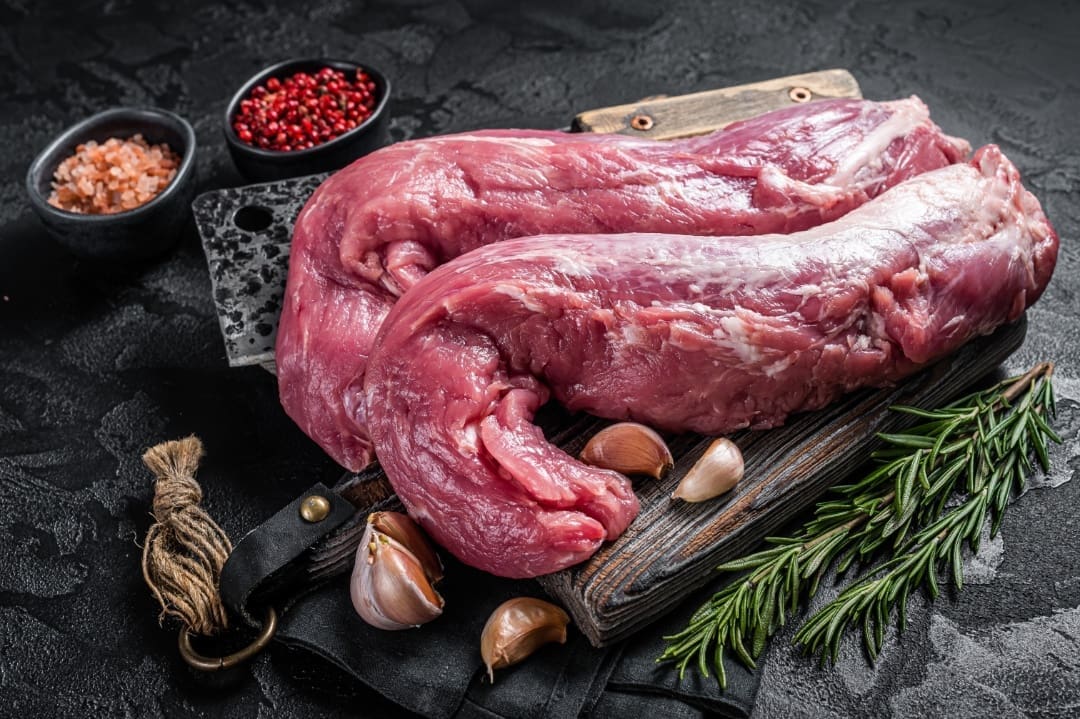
[{"x": 252, "y": 218}]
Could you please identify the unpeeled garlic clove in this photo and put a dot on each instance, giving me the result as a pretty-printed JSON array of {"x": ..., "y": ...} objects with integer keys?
[
  {"x": 389, "y": 586},
  {"x": 517, "y": 628},
  {"x": 716, "y": 472},
  {"x": 628, "y": 448},
  {"x": 402, "y": 528}
]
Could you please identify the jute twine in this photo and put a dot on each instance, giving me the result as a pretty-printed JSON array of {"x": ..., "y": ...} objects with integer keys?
[{"x": 185, "y": 549}]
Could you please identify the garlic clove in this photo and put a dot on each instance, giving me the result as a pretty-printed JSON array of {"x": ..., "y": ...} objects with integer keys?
[
  {"x": 389, "y": 587},
  {"x": 716, "y": 472},
  {"x": 517, "y": 628},
  {"x": 402, "y": 528},
  {"x": 628, "y": 448}
]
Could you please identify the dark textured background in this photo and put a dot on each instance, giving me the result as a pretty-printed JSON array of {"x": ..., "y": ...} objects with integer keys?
[{"x": 93, "y": 368}]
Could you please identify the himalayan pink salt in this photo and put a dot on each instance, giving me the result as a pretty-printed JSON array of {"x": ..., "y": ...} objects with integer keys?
[{"x": 113, "y": 176}]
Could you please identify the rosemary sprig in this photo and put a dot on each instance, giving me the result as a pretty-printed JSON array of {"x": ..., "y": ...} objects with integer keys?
[{"x": 978, "y": 447}]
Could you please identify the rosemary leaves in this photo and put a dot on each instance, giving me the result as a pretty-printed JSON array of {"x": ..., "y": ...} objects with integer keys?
[{"x": 977, "y": 449}]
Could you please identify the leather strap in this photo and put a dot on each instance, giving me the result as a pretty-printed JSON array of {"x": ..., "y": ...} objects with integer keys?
[{"x": 265, "y": 565}]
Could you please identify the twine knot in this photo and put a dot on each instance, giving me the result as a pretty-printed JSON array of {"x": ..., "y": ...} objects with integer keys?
[
  {"x": 175, "y": 495},
  {"x": 185, "y": 549}
]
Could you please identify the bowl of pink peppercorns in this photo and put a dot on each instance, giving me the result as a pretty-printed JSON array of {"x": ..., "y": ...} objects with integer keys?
[{"x": 300, "y": 117}]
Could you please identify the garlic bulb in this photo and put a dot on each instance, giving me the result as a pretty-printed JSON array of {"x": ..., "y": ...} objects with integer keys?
[
  {"x": 517, "y": 628},
  {"x": 391, "y": 588},
  {"x": 628, "y": 448},
  {"x": 716, "y": 472}
]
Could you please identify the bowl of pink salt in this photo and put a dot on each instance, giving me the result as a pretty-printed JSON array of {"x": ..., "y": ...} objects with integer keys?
[{"x": 116, "y": 186}]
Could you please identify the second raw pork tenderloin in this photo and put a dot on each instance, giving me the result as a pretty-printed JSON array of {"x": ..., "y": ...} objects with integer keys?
[{"x": 708, "y": 334}]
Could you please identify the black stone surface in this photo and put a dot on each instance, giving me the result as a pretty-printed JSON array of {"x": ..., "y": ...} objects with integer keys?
[{"x": 96, "y": 365}]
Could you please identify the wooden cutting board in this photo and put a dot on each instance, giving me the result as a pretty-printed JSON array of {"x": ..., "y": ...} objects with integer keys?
[{"x": 672, "y": 547}]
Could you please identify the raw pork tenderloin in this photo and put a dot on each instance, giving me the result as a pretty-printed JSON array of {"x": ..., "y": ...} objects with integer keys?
[
  {"x": 707, "y": 334},
  {"x": 375, "y": 228}
]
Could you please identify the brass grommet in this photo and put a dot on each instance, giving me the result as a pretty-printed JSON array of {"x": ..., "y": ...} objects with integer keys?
[
  {"x": 800, "y": 94},
  {"x": 641, "y": 122},
  {"x": 212, "y": 664},
  {"x": 314, "y": 508}
]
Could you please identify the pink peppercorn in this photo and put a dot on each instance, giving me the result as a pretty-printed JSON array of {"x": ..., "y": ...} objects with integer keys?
[{"x": 304, "y": 110}]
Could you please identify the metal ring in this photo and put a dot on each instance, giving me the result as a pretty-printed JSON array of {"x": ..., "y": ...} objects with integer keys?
[{"x": 212, "y": 664}]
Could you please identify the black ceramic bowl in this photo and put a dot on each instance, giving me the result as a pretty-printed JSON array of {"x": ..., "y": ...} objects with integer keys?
[
  {"x": 140, "y": 233},
  {"x": 265, "y": 165}
]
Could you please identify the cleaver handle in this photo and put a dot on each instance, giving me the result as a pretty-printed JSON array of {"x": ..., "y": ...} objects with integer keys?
[{"x": 666, "y": 118}]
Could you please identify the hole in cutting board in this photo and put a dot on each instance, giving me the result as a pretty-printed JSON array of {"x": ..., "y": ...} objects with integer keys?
[{"x": 252, "y": 218}]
